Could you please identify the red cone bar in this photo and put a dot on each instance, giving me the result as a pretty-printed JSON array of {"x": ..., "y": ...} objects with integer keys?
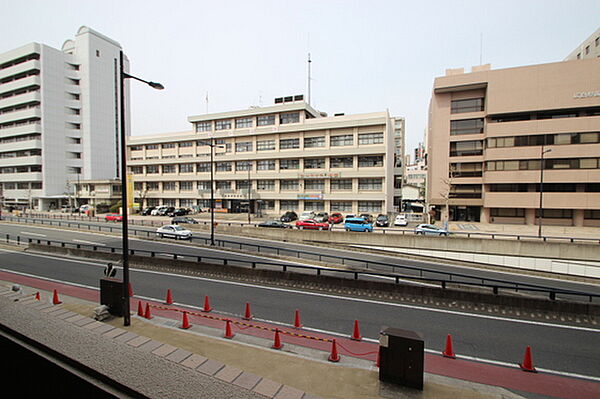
[
  {"x": 449, "y": 352},
  {"x": 148, "y": 315},
  {"x": 228, "y": 333},
  {"x": 297, "y": 323},
  {"x": 169, "y": 300},
  {"x": 277, "y": 342},
  {"x": 140, "y": 309},
  {"x": 185, "y": 323},
  {"x": 334, "y": 357},
  {"x": 356, "y": 333},
  {"x": 248, "y": 314},
  {"x": 527, "y": 364},
  {"x": 207, "y": 307},
  {"x": 55, "y": 300}
]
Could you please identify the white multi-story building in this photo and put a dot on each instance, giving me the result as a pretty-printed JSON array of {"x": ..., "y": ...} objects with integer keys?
[
  {"x": 274, "y": 159},
  {"x": 58, "y": 118}
]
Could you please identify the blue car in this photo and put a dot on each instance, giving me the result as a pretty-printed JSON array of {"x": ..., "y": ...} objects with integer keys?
[{"x": 358, "y": 224}]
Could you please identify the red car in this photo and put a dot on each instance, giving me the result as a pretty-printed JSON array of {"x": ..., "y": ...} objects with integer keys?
[
  {"x": 336, "y": 218},
  {"x": 113, "y": 217},
  {"x": 311, "y": 224}
]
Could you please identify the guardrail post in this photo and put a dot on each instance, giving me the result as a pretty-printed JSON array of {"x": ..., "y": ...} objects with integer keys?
[
  {"x": 355, "y": 275},
  {"x": 552, "y": 295},
  {"x": 495, "y": 290},
  {"x": 174, "y": 256},
  {"x": 443, "y": 284},
  {"x": 152, "y": 254}
]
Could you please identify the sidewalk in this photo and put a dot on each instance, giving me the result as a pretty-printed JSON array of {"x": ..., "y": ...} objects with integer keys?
[{"x": 243, "y": 362}]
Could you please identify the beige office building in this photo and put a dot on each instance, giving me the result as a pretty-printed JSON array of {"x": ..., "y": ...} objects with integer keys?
[
  {"x": 277, "y": 158},
  {"x": 503, "y": 144}
]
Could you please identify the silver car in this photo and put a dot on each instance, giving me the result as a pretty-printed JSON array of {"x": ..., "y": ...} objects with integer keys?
[
  {"x": 429, "y": 229},
  {"x": 175, "y": 231}
]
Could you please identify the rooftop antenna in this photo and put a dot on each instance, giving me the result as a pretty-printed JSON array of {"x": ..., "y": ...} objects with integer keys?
[
  {"x": 207, "y": 102},
  {"x": 309, "y": 61}
]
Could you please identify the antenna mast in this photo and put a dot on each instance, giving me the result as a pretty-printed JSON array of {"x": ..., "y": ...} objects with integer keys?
[{"x": 309, "y": 78}]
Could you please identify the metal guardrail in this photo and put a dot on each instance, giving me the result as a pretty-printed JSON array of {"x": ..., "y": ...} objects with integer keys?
[
  {"x": 153, "y": 223},
  {"x": 495, "y": 285}
]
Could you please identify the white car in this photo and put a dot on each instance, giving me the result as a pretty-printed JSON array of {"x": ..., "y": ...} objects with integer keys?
[
  {"x": 175, "y": 231},
  {"x": 156, "y": 210},
  {"x": 307, "y": 215},
  {"x": 400, "y": 221}
]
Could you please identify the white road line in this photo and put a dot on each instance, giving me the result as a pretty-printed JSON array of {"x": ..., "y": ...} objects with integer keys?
[
  {"x": 90, "y": 242},
  {"x": 34, "y": 234},
  {"x": 432, "y": 351}
]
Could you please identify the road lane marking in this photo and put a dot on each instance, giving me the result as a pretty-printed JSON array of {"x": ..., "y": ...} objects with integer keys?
[
  {"x": 34, "y": 234},
  {"x": 90, "y": 242}
]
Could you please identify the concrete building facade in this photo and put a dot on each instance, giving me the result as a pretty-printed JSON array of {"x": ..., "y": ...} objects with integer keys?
[
  {"x": 58, "y": 118},
  {"x": 272, "y": 159},
  {"x": 503, "y": 144},
  {"x": 590, "y": 48}
]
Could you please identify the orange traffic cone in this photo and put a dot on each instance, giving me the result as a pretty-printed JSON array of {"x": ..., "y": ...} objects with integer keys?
[
  {"x": 277, "y": 342},
  {"x": 448, "y": 352},
  {"x": 169, "y": 300},
  {"x": 130, "y": 290},
  {"x": 185, "y": 324},
  {"x": 248, "y": 314},
  {"x": 228, "y": 333},
  {"x": 356, "y": 333},
  {"x": 37, "y": 296},
  {"x": 334, "y": 357},
  {"x": 55, "y": 300},
  {"x": 140, "y": 309},
  {"x": 297, "y": 323},
  {"x": 207, "y": 307},
  {"x": 147, "y": 315},
  {"x": 527, "y": 364}
]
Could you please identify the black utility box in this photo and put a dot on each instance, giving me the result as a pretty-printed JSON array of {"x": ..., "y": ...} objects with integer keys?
[
  {"x": 401, "y": 357},
  {"x": 111, "y": 295}
]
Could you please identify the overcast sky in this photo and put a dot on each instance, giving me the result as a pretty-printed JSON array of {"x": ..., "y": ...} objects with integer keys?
[{"x": 367, "y": 55}]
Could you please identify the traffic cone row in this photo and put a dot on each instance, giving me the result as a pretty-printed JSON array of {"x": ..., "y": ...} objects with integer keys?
[{"x": 55, "y": 300}]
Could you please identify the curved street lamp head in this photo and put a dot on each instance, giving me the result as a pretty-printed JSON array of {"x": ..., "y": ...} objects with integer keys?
[{"x": 156, "y": 85}]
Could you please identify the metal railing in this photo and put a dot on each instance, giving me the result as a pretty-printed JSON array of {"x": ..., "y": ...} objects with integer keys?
[{"x": 445, "y": 280}]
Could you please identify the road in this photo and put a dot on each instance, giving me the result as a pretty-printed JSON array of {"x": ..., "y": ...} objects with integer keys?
[{"x": 561, "y": 348}]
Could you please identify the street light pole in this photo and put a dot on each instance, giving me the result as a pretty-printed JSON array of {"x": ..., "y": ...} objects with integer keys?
[
  {"x": 212, "y": 192},
  {"x": 125, "y": 231},
  {"x": 541, "y": 189}
]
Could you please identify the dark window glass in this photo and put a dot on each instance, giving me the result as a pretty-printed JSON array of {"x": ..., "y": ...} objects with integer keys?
[
  {"x": 466, "y": 126},
  {"x": 468, "y": 105}
]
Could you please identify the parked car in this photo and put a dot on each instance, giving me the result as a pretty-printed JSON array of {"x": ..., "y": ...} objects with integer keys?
[
  {"x": 166, "y": 210},
  {"x": 177, "y": 212},
  {"x": 322, "y": 217},
  {"x": 113, "y": 217},
  {"x": 147, "y": 210},
  {"x": 85, "y": 207},
  {"x": 307, "y": 215},
  {"x": 382, "y": 221},
  {"x": 183, "y": 219},
  {"x": 367, "y": 216},
  {"x": 358, "y": 224},
  {"x": 69, "y": 209},
  {"x": 350, "y": 216},
  {"x": 311, "y": 224},
  {"x": 175, "y": 231},
  {"x": 429, "y": 229},
  {"x": 275, "y": 224},
  {"x": 158, "y": 210},
  {"x": 400, "y": 221},
  {"x": 336, "y": 218},
  {"x": 289, "y": 216}
]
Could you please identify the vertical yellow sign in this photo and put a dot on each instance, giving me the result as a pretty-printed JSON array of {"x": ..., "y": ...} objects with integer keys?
[{"x": 130, "y": 193}]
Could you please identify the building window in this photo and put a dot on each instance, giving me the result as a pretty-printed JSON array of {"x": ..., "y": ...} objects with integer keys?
[
  {"x": 204, "y": 185},
  {"x": 555, "y": 213},
  {"x": 168, "y": 145},
  {"x": 341, "y": 162},
  {"x": 587, "y": 50},
  {"x": 168, "y": 186},
  {"x": 152, "y": 186},
  {"x": 370, "y": 161},
  {"x": 314, "y": 205},
  {"x": 370, "y": 184},
  {"x": 223, "y": 185},
  {"x": 265, "y": 145},
  {"x": 243, "y": 147},
  {"x": 186, "y": 186},
  {"x": 289, "y": 205},
  {"x": 314, "y": 142},
  {"x": 591, "y": 213},
  {"x": 203, "y": 127},
  {"x": 314, "y": 163},
  {"x": 314, "y": 184},
  {"x": 265, "y": 185},
  {"x": 467, "y": 105},
  {"x": 151, "y": 169},
  {"x": 370, "y": 138},
  {"x": 466, "y": 126},
  {"x": 186, "y": 144},
  {"x": 136, "y": 170},
  {"x": 265, "y": 120},
  {"x": 466, "y": 148},
  {"x": 223, "y": 124},
  {"x": 289, "y": 164},
  {"x": 342, "y": 140},
  {"x": 243, "y": 122},
  {"x": 471, "y": 169},
  {"x": 223, "y": 167},
  {"x": 286, "y": 144},
  {"x": 369, "y": 206},
  {"x": 341, "y": 184},
  {"x": 222, "y": 145},
  {"x": 136, "y": 148},
  {"x": 288, "y": 185},
  {"x": 243, "y": 165},
  {"x": 243, "y": 184},
  {"x": 268, "y": 164},
  {"x": 152, "y": 147},
  {"x": 341, "y": 206},
  {"x": 186, "y": 168},
  {"x": 290, "y": 117},
  {"x": 203, "y": 167},
  {"x": 169, "y": 169},
  {"x": 507, "y": 212}
]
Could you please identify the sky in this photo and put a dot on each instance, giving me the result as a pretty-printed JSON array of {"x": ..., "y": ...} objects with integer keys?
[{"x": 367, "y": 56}]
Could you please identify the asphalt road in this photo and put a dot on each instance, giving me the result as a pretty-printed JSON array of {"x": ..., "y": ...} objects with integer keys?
[
  {"x": 562, "y": 348},
  {"x": 331, "y": 255}
]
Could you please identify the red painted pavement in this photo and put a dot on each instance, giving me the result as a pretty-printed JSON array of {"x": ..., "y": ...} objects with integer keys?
[{"x": 510, "y": 378}]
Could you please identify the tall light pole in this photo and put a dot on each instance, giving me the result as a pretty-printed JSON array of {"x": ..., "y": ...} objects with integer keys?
[
  {"x": 124, "y": 203},
  {"x": 541, "y": 188},
  {"x": 212, "y": 146}
]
